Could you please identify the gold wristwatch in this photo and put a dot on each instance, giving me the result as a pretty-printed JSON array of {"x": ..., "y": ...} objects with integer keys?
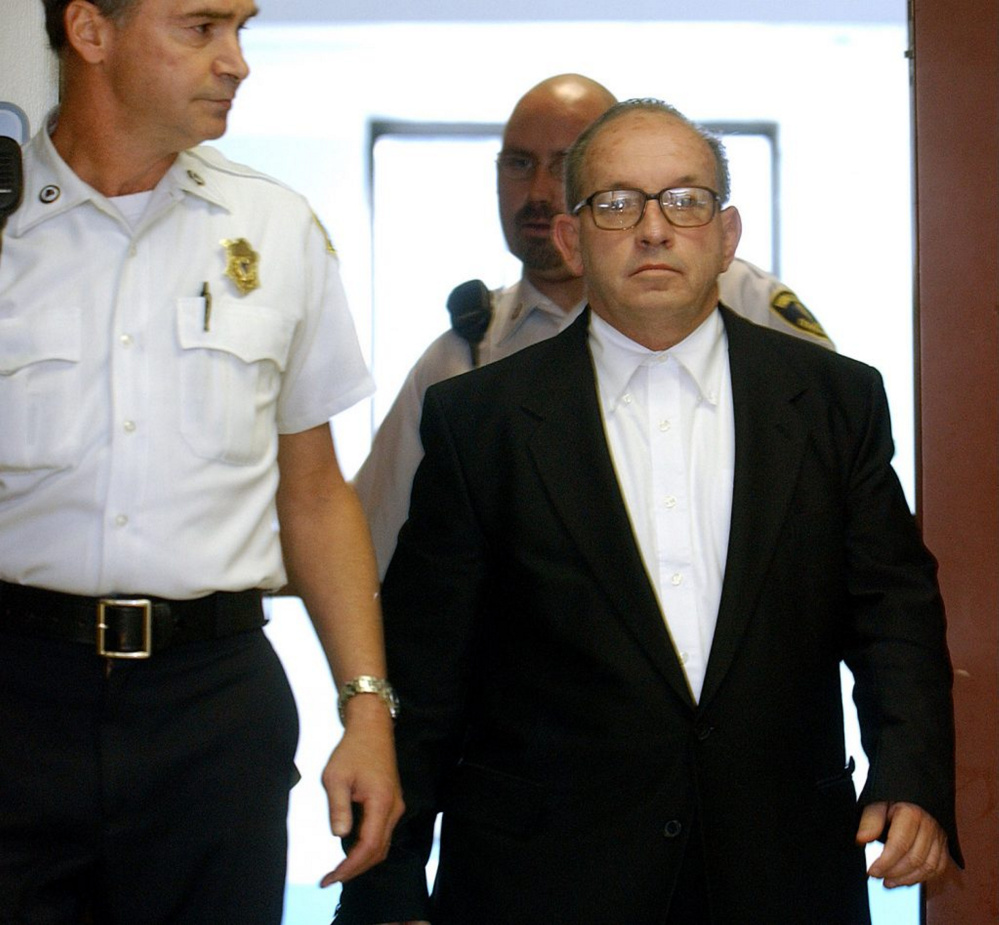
[{"x": 367, "y": 684}]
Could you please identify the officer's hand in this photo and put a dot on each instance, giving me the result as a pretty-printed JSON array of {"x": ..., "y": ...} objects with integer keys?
[{"x": 362, "y": 770}]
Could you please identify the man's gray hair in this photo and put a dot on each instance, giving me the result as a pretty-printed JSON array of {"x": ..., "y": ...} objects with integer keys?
[{"x": 574, "y": 192}]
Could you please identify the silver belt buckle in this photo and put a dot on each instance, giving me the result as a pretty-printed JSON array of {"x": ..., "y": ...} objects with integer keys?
[{"x": 144, "y": 612}]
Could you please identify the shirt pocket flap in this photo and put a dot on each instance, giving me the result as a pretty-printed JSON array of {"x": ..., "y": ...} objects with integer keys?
[
  {"x": 248, "y": 331},
  {"x": 47, "y": 335}
]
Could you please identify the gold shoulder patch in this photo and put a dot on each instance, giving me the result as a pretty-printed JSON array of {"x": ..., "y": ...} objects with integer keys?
[
  {"x": 330, "y": 249},
  {"x": 786, "y": 304}
]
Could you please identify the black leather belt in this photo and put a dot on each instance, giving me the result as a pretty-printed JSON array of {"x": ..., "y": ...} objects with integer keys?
[{"x": 129, "y": 626}]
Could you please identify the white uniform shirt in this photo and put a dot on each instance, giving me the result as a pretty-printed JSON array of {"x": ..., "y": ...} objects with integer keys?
[
  {"x": 671, "y": 431},
  {"x": 138, "y": 441},
  {"x": 521, "y": 317}
]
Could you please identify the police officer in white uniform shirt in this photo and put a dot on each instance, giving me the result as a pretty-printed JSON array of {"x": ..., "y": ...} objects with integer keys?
[
  {"x": 174, "y": 338},
  {"x": 549, "y": 297}
]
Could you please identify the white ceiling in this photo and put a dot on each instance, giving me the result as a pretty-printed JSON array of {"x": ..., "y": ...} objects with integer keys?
[{"x": 805, "y": 11}]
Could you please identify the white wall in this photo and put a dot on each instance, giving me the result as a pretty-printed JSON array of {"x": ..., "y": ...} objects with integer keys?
[
  {"x": 348, "y": 11},
  {"x": 28, "y": 71}
]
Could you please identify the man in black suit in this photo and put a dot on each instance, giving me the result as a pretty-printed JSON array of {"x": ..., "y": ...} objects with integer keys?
[{"x": 636, "y": 555}]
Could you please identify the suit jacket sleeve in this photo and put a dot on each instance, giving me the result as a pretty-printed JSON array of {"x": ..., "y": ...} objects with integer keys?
[{"x": 897, "y": 649}]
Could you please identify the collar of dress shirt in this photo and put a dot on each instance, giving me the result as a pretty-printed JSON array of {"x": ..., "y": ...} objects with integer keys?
[
  {"x": 526, "y": 301},
  {"x": 52, "y": 188},
  {"x": 617, "y": 358}
]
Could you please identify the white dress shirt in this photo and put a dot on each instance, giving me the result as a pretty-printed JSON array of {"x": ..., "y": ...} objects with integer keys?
[{"x": 671, "y": 431}]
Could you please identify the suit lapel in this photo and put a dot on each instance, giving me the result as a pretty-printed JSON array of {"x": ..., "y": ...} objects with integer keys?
[
  {"x": 770, "y": 439},
  {"x": 570, "y": 451}
]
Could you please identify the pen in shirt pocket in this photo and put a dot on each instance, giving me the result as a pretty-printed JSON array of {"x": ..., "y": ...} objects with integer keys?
[{"x": 207, "y": 296}]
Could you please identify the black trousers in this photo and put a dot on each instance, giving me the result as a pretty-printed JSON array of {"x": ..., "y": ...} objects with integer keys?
[{"x": 154, "y": 793}]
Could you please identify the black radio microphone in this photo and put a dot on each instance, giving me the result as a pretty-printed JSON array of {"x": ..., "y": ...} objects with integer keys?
[
  {"x": 11, "y": 179},
  {"x": 471, "y": 310}
]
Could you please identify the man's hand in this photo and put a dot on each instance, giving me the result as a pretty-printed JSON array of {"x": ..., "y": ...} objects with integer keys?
[
  {"x": 330, "y": 563},
  {"x": 916, "y": 847},
  {"x": 362, "y": 770}
]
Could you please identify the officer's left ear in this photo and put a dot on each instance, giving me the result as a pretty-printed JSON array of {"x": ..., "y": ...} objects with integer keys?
[
  {"x": 731, "y": 233},
  {"x": 565, "y": 235}
]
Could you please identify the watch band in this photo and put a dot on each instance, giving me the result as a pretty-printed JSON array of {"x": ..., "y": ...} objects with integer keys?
[{"x": 368, "y": 684}]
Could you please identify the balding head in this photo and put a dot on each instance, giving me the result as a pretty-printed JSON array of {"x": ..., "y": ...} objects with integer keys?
[
  {"x": 541, "y": 129},
  {"x": 563, "y": 98}
]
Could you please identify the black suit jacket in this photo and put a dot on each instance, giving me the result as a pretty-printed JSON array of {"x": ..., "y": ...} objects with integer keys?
[{"x": 545, "y": 711}]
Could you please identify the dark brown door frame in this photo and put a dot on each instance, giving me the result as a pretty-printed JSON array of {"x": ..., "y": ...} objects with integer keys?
[{"x": 956, "y": 117}]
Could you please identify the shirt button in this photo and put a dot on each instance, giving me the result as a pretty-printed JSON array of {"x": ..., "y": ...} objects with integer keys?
[
  {"x": 684, "y": 658},
  {"x": 664, "y": 426},
  {"x": 670, "y": 502},
  {"x": 125, "y": 340},
  {"x": 121, "y": 520},
  {"x": 676, "y": 579},
  {"x": 626, "y": 398},
  {"x": 672, "y": 828},
  {"x": 129, "y": 426}
]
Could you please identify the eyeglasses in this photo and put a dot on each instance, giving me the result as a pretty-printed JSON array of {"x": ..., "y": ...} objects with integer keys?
[
  {"x": 621, "y": 209},
  {"x": 518, "y": 166}
]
